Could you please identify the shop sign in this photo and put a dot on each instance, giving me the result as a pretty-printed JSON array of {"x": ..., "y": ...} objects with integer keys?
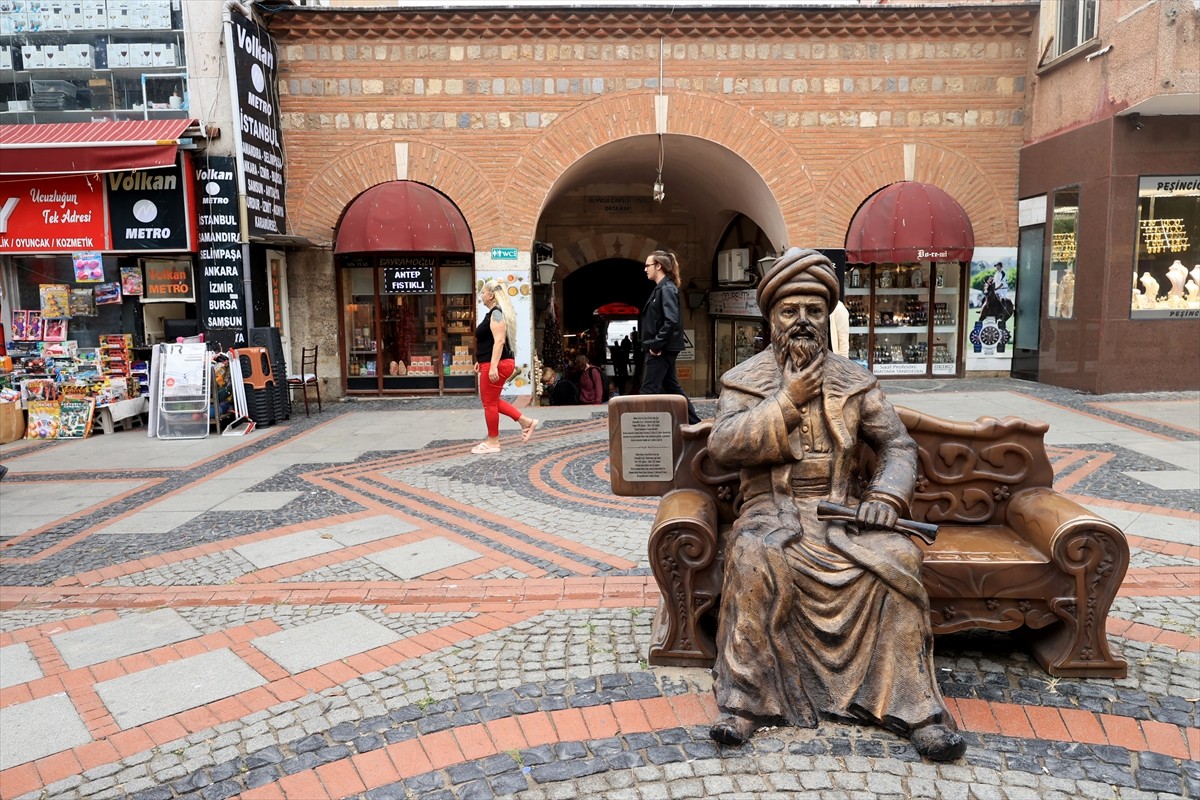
[
  {"x": 504, "y": 254},
  {"x": 167, "y": 281},
  {"x": 1169, "y": 185},
  {"x": 406, "y": 278},
  {"x": 222, "y": 306},
  {"x": 740, "y": 303},
  {"x": 148, "y": 209},
  {"x": 255, "y": 78},
  {"x": 59, "y": 214}
]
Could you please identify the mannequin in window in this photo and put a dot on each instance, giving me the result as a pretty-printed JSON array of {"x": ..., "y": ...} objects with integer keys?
[
  {"x": 1151, "y": 287},
  {"x": 1176, "y": 273},
  {"x": 1066, "y": 295}
]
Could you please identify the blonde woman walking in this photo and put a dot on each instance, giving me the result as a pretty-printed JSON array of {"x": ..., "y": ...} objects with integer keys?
[{"x": 495, "y": 363}]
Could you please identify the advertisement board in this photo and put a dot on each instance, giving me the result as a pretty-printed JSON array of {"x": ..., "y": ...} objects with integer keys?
[
  {"x": 55, "y": 214},
  {"x": 149, "y": 209},
  {"x": 255, "y": 80},
  {"x": 220, "y": 269}
]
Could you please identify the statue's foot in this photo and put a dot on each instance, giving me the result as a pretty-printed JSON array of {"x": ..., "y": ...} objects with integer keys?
[
  {"x": 938, "y": 743},
  {"x": 732, "y": 729}
]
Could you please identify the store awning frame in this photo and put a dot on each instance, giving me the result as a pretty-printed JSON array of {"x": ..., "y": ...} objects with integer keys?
[
  {"x": 909, "y": 221},
  {"x": 81, "y": 148},
  {"x": 402, "y": 217}
]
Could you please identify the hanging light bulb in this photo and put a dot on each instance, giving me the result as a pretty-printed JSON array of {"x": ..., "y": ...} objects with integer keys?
[{"x": 660, "y": 191}]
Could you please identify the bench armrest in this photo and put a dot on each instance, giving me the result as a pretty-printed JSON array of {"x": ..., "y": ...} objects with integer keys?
[
  {"x": 1093, "y": 555},
  {"x": 1051, "y": 521}
]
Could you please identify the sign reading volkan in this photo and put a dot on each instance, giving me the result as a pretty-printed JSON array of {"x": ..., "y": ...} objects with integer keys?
[
  {"x": 254, "y": 66},
  {"x": 150, "y": 209}
]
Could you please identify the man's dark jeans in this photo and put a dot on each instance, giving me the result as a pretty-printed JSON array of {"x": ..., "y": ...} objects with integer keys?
[{"x": 659, "y": 378}]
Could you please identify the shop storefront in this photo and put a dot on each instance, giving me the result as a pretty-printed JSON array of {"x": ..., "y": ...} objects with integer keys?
[
  {"x": 739, "y": 330},
  {"x": 908, "y": 249},
  {"x": 1110, "y": 257},
  {"x": 97, "y": 247},
  {"x": 406, "y": 290}
]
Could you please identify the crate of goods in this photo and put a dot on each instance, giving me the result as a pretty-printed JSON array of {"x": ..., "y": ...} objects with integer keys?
[
  {"x": 53, "y": 95},
  {"x": 162, "y": 54},
  {"x": 421, "y": 366},
  {"x": 102, "y": 93},
  {"x": 79, "y": 55},
  {"x": 118, "y": 54},
  {"x": 31, "y": 56},
  {"x": 92, "y": 16}
]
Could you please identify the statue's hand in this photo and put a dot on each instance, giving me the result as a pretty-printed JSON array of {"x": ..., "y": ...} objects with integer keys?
[
  {"x": 875, "y": 515},
  {"x": 803, "y": 384}
]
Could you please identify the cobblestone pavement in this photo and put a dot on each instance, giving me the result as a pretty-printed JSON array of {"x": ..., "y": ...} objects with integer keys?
[{"x": 352, "y": 606}]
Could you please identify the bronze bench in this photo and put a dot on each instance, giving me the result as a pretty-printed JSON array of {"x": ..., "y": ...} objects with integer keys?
[{"x": 1010, "y": 551}]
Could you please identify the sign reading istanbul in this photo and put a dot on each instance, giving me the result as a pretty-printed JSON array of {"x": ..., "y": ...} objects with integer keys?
[
  {"x": 222, "y": 306},
  {"x": 148, "y": 209},
  {"x": 254, "y": 68},
  {"x": 52, "y": 215}
]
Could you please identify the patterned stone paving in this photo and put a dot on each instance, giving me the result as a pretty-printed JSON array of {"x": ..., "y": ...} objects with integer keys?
[{"x": 521, "y": 673}]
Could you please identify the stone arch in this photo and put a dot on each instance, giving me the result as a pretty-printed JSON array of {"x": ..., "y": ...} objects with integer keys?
[
  {"x": 940, "y": 166},
  {"x": 316, "y": 212},
  {"x": 573, "y": 135},
  {"x": 601, "y": 246}
]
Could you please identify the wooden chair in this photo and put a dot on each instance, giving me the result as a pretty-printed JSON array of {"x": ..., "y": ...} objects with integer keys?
[{"x": 307, "y": 377}]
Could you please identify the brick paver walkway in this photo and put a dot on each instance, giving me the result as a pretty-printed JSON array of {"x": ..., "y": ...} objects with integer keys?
[{"x": 353, "y": 606}]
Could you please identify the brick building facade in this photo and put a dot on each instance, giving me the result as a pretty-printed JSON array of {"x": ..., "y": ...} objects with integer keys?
[{"x": 521, "y": 119}]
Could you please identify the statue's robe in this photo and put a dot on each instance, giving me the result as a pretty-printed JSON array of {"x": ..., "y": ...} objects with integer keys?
[{"x": 818, "y": 620}]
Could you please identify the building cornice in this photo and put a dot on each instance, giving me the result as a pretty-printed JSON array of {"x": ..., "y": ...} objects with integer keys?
[{"x": 316, "y": 23}]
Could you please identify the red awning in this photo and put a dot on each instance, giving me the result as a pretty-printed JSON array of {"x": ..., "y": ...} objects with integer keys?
[
  {"x": 405, "y": 217},
  {"x": 617, "y": 310},
  {"x": 84, "y": 147},
  {"x": 909, "y": 221}
]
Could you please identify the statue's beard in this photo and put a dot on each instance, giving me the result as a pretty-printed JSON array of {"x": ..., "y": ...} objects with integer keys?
[{"x": 799, "y": 344}]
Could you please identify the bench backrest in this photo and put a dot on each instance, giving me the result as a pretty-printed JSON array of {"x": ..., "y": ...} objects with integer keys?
[{"x": 968, "y": 470}]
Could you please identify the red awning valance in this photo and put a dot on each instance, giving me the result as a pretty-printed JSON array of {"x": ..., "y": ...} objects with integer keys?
[
  {"x": 617, "y": 310},
  {"x": 909, "y": 221},
  {"x": 403, "y": 216},
  {"x": 84, "y": 147}
]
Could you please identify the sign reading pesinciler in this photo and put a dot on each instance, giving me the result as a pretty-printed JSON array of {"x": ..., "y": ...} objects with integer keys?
[{"x": 254, "y": 66}]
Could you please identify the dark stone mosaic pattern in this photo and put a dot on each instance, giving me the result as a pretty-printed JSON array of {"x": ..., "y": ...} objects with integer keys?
[
  {"x": 800, "y": 758},
  {"x": 1110, "y": 481},
  {"x": 412, "y": 505}
]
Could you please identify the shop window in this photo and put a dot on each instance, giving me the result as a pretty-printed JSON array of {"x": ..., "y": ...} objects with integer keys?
[
  {"x": 1063, "y": 247},
  {"x": 1166, "y": 272},
  {"x": 1074, "y": 24}
]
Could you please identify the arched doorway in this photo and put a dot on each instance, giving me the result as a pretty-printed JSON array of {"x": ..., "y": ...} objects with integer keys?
[
  {"x": 405, "y": 279},
  {"x": 602, "y": 220}
]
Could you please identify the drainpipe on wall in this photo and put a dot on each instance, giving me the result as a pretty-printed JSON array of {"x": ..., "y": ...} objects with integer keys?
[{"x": 243, "y": 222}]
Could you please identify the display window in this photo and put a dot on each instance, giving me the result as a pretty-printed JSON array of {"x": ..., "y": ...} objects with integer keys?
[
  {"x": 1166, "y": 272},
  {"x": 905, "y": 318},
  {"x": 737, "y": 340},
  {"x": 1063, "y": 247},
  {"x": 407, "y": 323}
]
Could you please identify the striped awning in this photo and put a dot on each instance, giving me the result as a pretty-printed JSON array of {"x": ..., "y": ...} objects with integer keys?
[{"x": 85, "y": 147}]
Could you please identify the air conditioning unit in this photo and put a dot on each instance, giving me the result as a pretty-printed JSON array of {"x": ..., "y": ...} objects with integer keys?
[{"x": 733, "y": 266}]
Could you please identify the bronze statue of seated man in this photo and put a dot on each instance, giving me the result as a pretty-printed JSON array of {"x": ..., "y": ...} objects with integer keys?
[{"x": 819, "y": 619}]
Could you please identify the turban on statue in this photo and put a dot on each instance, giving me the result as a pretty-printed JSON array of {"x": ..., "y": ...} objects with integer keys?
[{"x": 798, "y": 271}]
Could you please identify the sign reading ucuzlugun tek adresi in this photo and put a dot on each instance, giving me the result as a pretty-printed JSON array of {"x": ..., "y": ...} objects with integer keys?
[
  {"x": 255, "y": 68},
  {"x": 220, "y": 272}
]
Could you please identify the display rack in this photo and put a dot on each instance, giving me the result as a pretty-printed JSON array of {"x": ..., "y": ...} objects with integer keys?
[
  {"x": 92, "y": 59},
  {"x": 893, "y": 330}
]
